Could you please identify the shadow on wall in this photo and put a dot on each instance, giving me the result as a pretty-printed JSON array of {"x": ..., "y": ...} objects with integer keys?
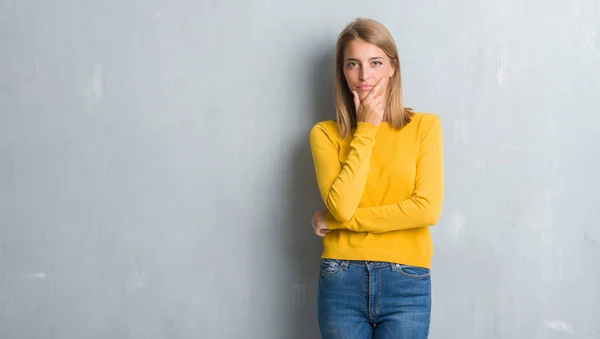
[{"x": 305, "y": 248}]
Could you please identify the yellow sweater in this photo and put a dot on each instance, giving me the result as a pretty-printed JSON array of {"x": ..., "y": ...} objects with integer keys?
[{"x": 383, "y": 188}]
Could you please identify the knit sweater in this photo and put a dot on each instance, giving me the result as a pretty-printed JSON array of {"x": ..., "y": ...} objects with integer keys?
[{"x": 383, "y": 188}]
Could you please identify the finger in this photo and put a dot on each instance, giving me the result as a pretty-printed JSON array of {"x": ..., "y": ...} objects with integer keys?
[
  {"x": 371, "y": 95},
  {"x": 375, "y": 91},
  {"x": 377, "y": 105},
  {"x": 384, "y": 87},
  {"x": 356, "y": 100},
  {"x": 382, "y": 96},
  {"x": 384, "y": 80},
  {"x": 377, "y": 100},
  {"x": 316, "y": 215},
  {"x": 381, "y": 87}
]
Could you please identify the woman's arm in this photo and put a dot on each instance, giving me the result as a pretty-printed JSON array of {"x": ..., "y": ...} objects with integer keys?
[
  {"x": 423, "y": 208},
  {"x": 342, "y": 185}
]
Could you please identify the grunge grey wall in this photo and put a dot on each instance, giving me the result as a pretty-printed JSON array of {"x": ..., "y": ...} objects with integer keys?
[{"x": 156, "y": 179}]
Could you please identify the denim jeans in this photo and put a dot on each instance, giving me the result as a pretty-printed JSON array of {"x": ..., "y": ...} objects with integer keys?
[{"x": 365, "y": 300}]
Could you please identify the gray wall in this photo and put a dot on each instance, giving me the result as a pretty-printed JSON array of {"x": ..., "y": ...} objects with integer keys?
[{"x": 156, "y": 179}]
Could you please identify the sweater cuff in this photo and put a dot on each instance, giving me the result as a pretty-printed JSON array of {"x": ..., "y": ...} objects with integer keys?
[
  {"x": 365, "y": 128},
  {"x": 332, "y": 222}
]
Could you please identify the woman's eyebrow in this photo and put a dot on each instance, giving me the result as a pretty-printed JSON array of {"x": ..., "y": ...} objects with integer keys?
[{"x": 355, "y": 59}]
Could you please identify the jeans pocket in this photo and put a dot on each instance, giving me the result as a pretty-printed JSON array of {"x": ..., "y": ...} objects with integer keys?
[
  {"x": 330, "y": 266},
  {"x": 414, "y": 272}
]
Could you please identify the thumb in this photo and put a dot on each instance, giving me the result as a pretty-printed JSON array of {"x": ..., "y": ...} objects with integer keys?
[{"x": 356, "y": 100}]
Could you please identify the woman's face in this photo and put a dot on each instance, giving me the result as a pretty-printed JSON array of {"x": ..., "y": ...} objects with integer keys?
[{"x": 364, "y": 65}]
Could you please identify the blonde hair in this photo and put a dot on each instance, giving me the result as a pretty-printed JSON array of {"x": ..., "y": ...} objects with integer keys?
[{"x": 375, "y": 33}]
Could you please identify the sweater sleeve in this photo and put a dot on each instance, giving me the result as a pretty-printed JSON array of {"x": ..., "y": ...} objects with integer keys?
[
  {"x": 423, "y": 208},
  {"x": 342, "y": 184}
]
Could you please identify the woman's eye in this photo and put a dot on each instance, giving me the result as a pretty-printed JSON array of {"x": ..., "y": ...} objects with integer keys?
[
  {"x": 351, "y": 64},
  {"x": 377, "y": 63}
]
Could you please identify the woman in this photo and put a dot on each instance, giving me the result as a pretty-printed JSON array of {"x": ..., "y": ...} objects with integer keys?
[{"x": 379, "y": 169}]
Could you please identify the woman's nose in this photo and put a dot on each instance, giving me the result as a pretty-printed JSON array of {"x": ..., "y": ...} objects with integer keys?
[{"x": 363, "y": 73}]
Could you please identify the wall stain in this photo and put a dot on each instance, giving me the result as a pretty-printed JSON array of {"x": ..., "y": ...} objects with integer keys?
[{"x": 589, "y": 241}]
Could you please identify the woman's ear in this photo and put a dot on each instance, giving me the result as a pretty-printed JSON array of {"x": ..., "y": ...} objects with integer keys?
[{"x": 393, "y": 70}]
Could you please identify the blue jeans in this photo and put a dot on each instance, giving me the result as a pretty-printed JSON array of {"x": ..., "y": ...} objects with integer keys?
[{"x": 366, "y": 300}]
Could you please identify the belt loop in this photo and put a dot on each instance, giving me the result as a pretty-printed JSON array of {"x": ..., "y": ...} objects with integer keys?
[
  {"x": 345, "y": 264},
  {"x": 395, "y": 267}
]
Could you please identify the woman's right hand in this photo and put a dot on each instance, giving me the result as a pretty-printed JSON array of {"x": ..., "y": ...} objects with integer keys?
[{"x": 372, "y": 108}]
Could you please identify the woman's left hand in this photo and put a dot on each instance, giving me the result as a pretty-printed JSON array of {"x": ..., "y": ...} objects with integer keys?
[{"x": 319, "y": 223}]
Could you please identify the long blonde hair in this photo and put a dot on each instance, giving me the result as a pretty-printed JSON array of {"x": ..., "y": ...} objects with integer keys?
[{"x": 375, "y": 33}]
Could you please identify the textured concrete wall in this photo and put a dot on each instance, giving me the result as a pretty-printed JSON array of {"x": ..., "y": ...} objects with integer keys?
[{"x": 156, "y": 180}]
